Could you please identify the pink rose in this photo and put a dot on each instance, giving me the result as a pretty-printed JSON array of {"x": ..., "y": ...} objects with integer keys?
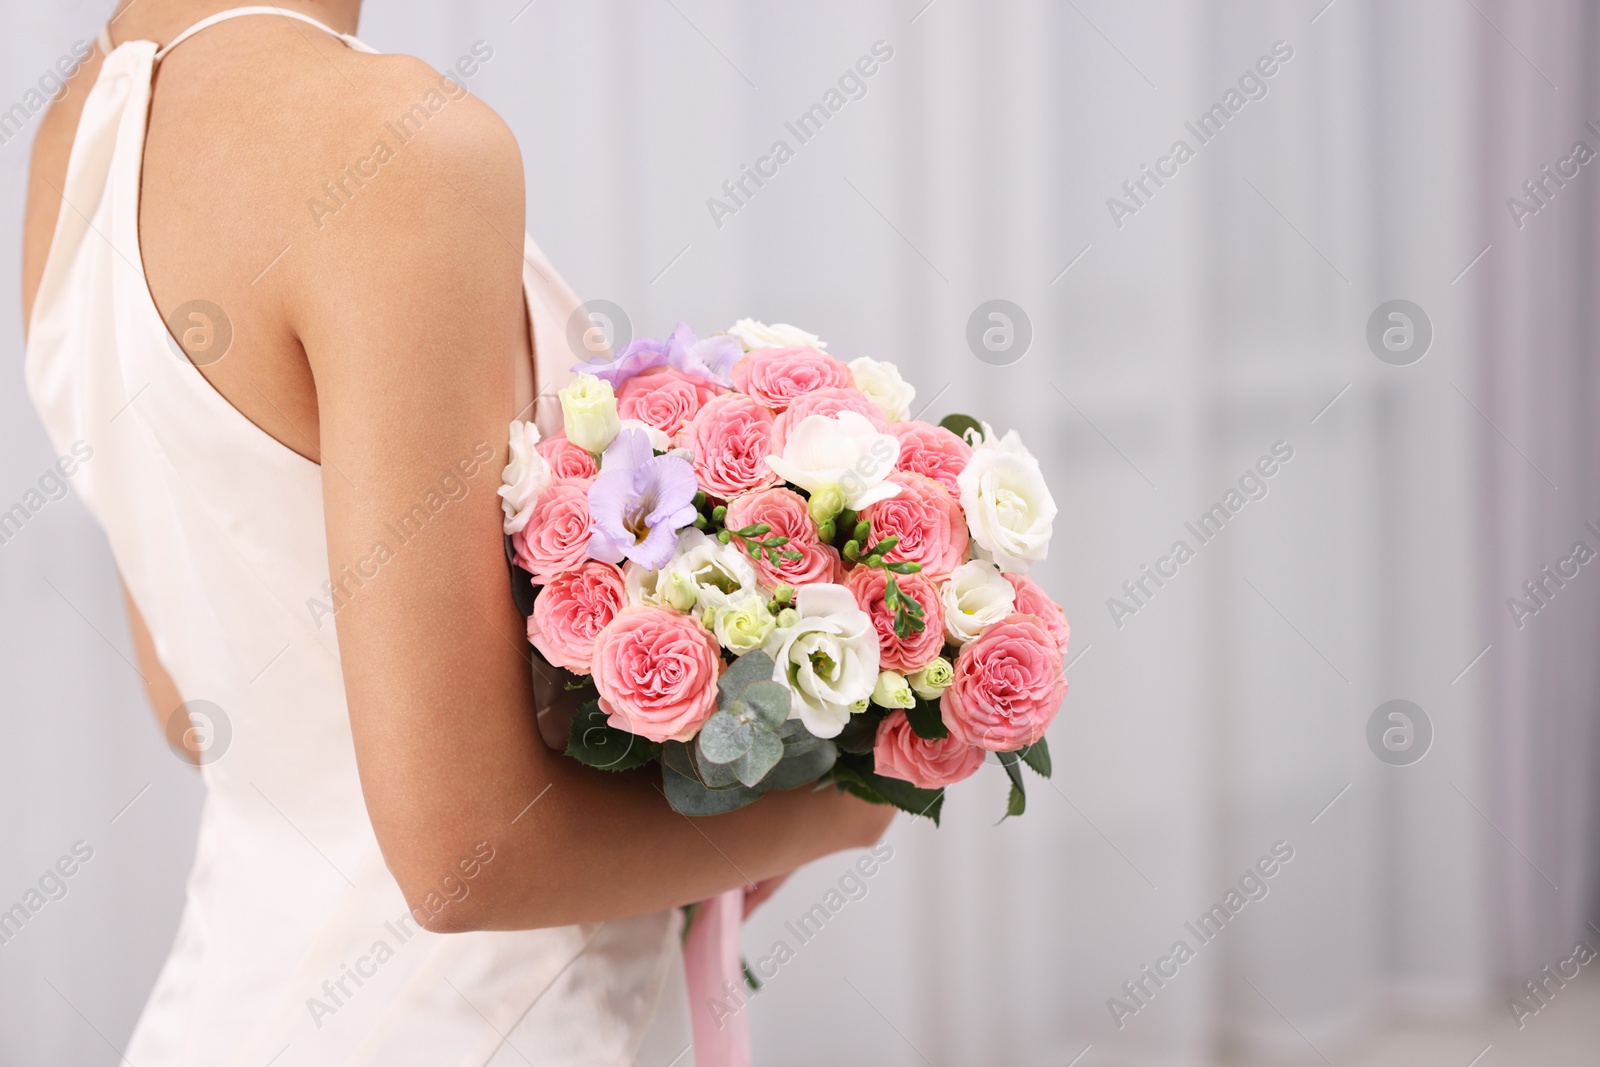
[
  {"x": 899, "y": 753},
  {"x": 916, "y": 650},
  {"x": 931, "y": 450},
  {"x": 663, "y": 398},
  {"x": 785, "y": 511},
  {"x": 657, "y": 671},
  {"x": 1031, "y": 600},
  {"x": 566, "y": 459},
  {"x": 556, "y": 538},
  {"x": 571, "y": 610},
  {"x": 731, "y": 437},
  {"x": 927, "y": 519},
  {"x": 829, "y": 401},
  {"x": 1008, "y": 686},
  {"x": 775, "y": 376}
]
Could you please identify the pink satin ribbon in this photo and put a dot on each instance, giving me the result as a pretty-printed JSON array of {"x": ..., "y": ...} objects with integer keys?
[{"x": 713, "y": 966}]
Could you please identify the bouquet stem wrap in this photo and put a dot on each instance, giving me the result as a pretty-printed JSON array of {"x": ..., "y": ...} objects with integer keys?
[{"x": 712, "y": 966}]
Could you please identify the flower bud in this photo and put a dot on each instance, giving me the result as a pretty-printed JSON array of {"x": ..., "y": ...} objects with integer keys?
[
  {"x": 678, "y": 589},
  {"x": 892, "y": 691},
  {"x": 589, "y": 413},
  {"x": 826, "y": 502},
  {"x": 788, "y": 617},
  {"x": 933, "y": 679}
]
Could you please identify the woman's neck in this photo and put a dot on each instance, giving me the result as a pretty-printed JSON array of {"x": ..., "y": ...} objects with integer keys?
[{"x": 162, "y": 20}]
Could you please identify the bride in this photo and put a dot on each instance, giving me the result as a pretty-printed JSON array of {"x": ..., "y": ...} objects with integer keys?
[{"x": 298, "y": 419}]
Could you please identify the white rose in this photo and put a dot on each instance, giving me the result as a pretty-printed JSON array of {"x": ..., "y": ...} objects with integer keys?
[
  {"x": 884, "y": 387},
  {"x": 527, "y": 474},
  {"x": 975, "y": 597},
  {"x": 840, "y": 453},
  {"x": 828, "y": 658},
  {"x": 1009, "y": 507},
  {"x": 753, "y": 335},
  {"x": 589, "y": 413},
  {"x": 706, "y": 573},
  {"x": 744, "y": 626}
]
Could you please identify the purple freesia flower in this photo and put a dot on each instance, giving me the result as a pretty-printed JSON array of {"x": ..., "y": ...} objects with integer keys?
[
  {"x": 710, "y": 360},
  {"x": 639, "y": 502}
]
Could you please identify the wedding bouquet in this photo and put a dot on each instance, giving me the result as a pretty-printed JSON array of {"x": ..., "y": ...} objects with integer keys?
[{"x": 763, "y": 574}]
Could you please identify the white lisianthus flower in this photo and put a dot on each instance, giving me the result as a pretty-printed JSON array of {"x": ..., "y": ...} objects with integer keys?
[
  {"x": 589, "y": 413},
  {"x": 884, "y": 387},
  {"x": 705, "y": 573},
  {"x": 840, "y": 454},
  {"x": 527, "y": 474},
  {"x": 828, "y": 658},
  {"x": 744, "y": 626},
  {"x": 1008, "y": 505},
  {"x": 754, "y": 335},
  {"x": 642, "y": 585},
  {"x": 893, "y": 691},
  {"x": 975, "y": 597}
]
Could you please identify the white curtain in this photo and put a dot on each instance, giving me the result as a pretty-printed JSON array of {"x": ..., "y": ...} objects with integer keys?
[{"x": 1225, "y": 316}]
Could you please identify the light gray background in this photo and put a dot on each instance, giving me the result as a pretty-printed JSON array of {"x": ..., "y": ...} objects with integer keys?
[{"x": 1168, "y": 355}]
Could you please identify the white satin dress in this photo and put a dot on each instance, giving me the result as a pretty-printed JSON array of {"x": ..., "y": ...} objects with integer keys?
[{"x": 296, "y": 946}]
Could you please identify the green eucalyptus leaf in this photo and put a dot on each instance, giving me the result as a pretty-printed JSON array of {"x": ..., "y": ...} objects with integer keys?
[
  {"x": 802, "y": 764},
  {"x": 1037, "y": 756},
  {"x": 724, "y": 738},
  {"x": 960, "y": 424},
  {"x": 764, "y": 754},
  {"x": 747, "y": 669},
  {"x": 690, "y": 797},
  {"x": 677, "y": 755},
  {"x": 769, "y": 701},
  {"x": 592, "y": 740}
]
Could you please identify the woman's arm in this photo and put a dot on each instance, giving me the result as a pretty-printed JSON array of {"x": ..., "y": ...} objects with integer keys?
[
  {"x": 409, "y": 306},
  {"x": 159, "y": 688}
]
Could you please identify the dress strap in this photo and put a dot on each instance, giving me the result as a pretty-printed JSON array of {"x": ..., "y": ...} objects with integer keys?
[{"x": 239, "y": 12}]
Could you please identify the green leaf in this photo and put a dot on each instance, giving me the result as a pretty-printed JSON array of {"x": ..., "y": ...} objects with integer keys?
[
  {"x": 689, "y": 797},
  {"x": 926, "y": 721},
  {"x": 960, "y": 424},
  {"x": 859, "y": 734},
  {"x": 769, "y": 700},
  {"x": 872, "y": 786},
  {"x": 1037, "y": 756},
  {"x": 747, "y": 669},
  {"x": 802, "y": 763},
  {"x": 595, "y": 742},
  {"x": 1018, "y": 801},
  {"x": 764, "y": 755},
  {"x": 724, "y": 738}
]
